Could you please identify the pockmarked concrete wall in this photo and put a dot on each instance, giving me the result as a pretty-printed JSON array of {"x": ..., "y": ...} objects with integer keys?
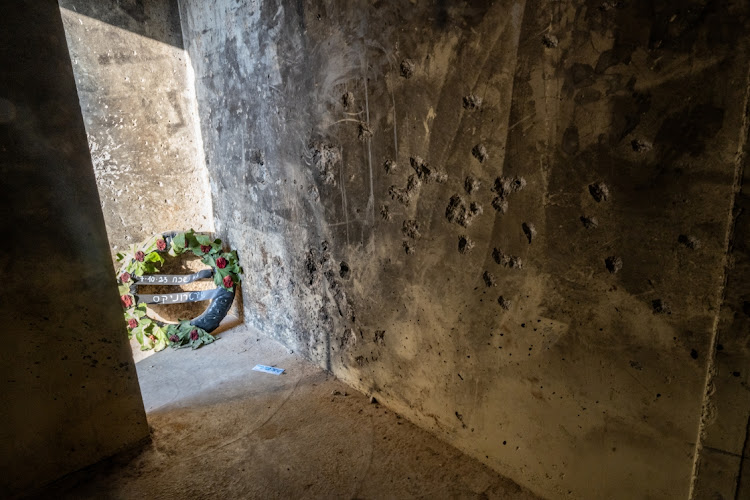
[
  {"x": 70, "y": 394},
  {"x": 138, "y": 102},
  {"x": 507, "y": 221}
]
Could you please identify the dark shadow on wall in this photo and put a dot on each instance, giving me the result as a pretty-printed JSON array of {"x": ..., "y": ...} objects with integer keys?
[{"x": 156, "y": 20}]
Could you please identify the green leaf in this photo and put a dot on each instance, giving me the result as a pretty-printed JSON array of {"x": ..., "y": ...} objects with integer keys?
[
  {"x": 161, "y": 338},
  {"x": 203, "y": 239},
  {"x": 137, "y": 268},
  {"x": 149, "y": 267},
  {"x": 131, "y": 266},
  {"x": 179, "y": 240},
  {"x": 178, "y": 245},
  {"x": 190, "y": 240},
  {"x": 154, "y": 257}
]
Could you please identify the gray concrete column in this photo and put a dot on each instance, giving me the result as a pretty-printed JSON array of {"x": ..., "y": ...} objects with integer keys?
[{"x": 70, "y": 392}]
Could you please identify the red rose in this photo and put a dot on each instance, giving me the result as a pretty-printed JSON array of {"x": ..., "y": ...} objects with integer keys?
[
  {"x": 161, "y": 245},
  {"x": 126, "y": 300},
  {"x": 139, "y": 256},
  {"x": 194, "y": 335},
  {"x": 205, "y": 248},
  {"x": 228, "y": 281},
  {"x": 221, "y": 262},
  {"x": 125, "y": 277},
  {"x": 132, "y": 323},
  {"x": 174, "y": 338}
]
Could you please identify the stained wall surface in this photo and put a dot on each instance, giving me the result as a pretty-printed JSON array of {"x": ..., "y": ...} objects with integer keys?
[
  {"x": 138, "y": 102},
  {"x": 722, "y": 468},
  {"x": 507, "y": 221},
  {"x": 70, "y": 394}
]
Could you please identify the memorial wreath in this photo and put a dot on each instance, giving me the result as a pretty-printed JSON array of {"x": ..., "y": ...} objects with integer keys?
[{"x": 138, "y": 266}]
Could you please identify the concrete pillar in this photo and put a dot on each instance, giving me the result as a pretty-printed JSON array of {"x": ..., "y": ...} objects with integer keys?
[{"x": 70, "y": 392}]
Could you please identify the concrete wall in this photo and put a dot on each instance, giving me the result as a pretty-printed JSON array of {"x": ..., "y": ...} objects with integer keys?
[
  {"x": 535, "y": 278},
  {"x": 70, "y": 393},
  {"x": 722, "y": 468},
  {"x": 138, "y": 102}
]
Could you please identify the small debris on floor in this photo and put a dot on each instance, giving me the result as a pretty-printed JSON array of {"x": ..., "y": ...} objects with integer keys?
[{"x": 268, "y": 369}]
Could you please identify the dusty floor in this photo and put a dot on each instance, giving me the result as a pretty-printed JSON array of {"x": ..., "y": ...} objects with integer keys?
[{"x": 221, "y": 430}]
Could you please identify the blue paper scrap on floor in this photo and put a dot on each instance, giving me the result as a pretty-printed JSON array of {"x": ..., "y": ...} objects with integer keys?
[{"x": 268, "y": 369}]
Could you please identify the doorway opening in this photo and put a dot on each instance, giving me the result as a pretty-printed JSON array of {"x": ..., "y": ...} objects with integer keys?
[{"x": 136, "y": 92}]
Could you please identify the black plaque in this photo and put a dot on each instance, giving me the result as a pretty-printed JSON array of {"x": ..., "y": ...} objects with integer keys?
[
  {"x": 178, "y": 298},
  {"x": 172, "y": 279}
]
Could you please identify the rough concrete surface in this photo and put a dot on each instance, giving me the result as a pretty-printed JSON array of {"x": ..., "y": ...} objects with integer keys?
[
  {"x": 575, "y": 375},
  {"x": 70, "y": 393},
  {"x": 520, "y": 224},
  {"x": 136, "y": 92},
  {"x": 721, "y": 470},
  {"x": 221, "y": 430}
]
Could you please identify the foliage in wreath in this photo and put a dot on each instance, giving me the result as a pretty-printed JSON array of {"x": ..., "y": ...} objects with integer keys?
[{"x": 146, "y": 259}]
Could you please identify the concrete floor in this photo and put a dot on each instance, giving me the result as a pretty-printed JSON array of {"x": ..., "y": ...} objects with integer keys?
[{"x": 221, "y": 430}]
